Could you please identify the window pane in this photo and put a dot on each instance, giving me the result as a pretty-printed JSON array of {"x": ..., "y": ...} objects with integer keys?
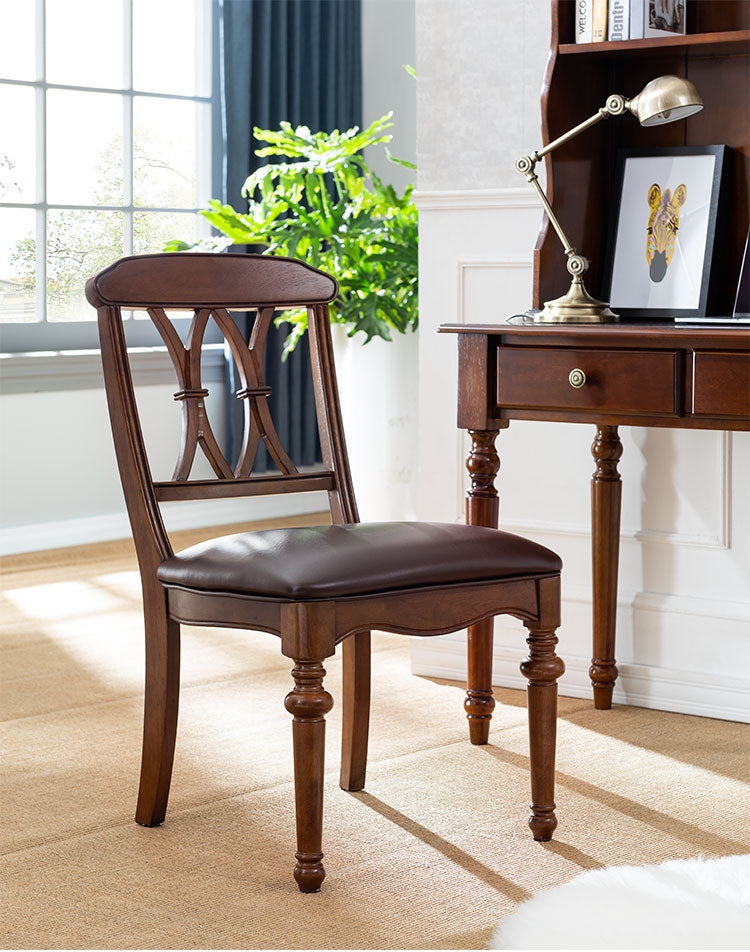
[
  {"x": 17, "y": 42},
  {"x": 84, "y": 148},
  {"x": 152, "y": 230},
  {"x": 17, "y": 138},
  {"x": 164, "y": 34},
  {"x": 79, "y": 243},
  {"x": 17, "y": 264},
  {"x": 164, "y": 153},
  {"x": 85, "y": 42}
]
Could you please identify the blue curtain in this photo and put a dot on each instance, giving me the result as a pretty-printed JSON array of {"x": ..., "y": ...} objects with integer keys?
[{"x": 298, "y": 60}]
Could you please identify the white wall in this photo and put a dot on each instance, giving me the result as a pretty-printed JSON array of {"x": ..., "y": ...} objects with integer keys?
[
  {"x": 480, "y": 65},
  {"x": 684, "y": 598}
]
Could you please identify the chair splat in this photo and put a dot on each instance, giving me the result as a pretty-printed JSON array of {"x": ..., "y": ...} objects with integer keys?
[
  {"x": 196, "y": 427},
  {"x": 258, "y": 422}
]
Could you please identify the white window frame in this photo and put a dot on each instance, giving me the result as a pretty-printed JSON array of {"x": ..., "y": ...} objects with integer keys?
[{"x": 52, "y": 336}]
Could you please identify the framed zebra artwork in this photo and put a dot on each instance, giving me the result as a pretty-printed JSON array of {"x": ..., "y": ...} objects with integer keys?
[{"x": 667, "y": 210}]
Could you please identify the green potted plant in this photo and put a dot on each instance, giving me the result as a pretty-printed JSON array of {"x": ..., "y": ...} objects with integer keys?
[{"x": 319, "y": 201}]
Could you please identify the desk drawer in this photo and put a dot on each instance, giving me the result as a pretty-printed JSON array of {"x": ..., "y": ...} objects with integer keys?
[
  {"x": 627, "y": 381},
  {"x": 721, "y": 385}
]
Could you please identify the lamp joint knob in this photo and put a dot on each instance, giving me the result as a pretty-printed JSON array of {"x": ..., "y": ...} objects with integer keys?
[
  {"x": 525, "y": 164},
  {"x": 615, "y": 104},
  {"x": 577, "y": 264}
]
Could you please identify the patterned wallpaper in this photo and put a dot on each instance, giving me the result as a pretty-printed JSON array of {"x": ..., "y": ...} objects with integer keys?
[{"x": 480, "y": 65}]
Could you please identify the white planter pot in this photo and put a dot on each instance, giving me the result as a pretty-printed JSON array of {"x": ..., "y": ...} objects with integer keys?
[{"x": 378, "y": 386}]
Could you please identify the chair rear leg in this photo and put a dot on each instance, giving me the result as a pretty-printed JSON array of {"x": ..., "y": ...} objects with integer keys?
[
  {"x": 160, "y": 711},
  {"x": 542, "y": 667},
  {"x": 309, "y": 703},
  {"x": 355, "y": 718}
]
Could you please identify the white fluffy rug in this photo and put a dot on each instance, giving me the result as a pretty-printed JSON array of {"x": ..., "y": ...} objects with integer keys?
[{"x": 682, "y": 904}]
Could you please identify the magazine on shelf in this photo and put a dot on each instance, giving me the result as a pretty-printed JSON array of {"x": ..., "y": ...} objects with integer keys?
[
  {"x": 583, "y": 20},
  {"x": 618, "y": 27},
  {"x": 637, "y": 19},
  {"x": 599, "y": 21}
]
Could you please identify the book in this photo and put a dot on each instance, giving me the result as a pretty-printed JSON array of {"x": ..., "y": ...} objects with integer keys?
[
  {"x": 618, "y": 26},
  {"x": 636, "y": 19},
  {"x": 599, "y": 21},
  {"x": 583, "y": 21}
]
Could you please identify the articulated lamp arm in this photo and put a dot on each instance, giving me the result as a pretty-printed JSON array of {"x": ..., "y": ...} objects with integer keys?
[{"x": 615, "y": 106}]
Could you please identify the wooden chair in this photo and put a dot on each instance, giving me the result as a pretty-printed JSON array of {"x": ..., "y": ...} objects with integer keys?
[{"x": 313, "y": 588}]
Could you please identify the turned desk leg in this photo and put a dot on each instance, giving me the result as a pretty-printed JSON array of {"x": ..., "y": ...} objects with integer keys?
[
  {"x": 481, "y": 510},
  {"x": 606, "y": 495}
]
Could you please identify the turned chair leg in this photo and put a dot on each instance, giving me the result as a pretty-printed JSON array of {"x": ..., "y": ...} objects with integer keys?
[
  {"x": 479, "y": 702},
  {"x": 542, "y": 667},
  {"x": 355, "y": 718},
  {"x": 160, "y": 711},
  {"x": 309, "y": 703}
]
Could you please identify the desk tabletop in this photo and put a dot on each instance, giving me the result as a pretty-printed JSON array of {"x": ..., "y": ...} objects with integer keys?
[{"x": 623, "y": 334}]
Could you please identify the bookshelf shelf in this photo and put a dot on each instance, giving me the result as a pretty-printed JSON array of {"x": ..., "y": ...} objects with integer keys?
[{"x": 726, "y": 41}]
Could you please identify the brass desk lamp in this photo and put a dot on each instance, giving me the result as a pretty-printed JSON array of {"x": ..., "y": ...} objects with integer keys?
[{"x": 663, "y": 100}]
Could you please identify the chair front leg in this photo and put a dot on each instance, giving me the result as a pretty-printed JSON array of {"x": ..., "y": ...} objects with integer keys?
[
  {"x": 309, "y": 703},
  {"x": 542, "y": 667},
  {"x": 479, "y": 702},
  {"x": 355, "y": 717},
  {"x": 160, "y": 709}
]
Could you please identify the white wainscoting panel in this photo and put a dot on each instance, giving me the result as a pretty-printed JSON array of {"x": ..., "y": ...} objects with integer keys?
[
  {"x": 683, "y": 641},
  {"x": 487, "y": 284}
]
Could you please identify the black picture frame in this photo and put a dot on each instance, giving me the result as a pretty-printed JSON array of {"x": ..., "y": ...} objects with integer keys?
[{"x": 716, "y": 213}]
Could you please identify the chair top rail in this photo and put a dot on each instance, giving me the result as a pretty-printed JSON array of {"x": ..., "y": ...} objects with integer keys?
[{"x": 204, "y": 279}]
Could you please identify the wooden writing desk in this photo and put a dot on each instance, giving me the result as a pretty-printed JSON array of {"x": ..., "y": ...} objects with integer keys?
[{"x": 636, "y": 374}]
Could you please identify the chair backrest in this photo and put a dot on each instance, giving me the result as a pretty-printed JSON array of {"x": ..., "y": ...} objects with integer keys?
[{"x": 209, "y": 285}]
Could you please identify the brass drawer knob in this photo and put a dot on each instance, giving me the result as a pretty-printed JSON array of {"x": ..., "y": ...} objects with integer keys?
[{"x": 576, "y": 378}]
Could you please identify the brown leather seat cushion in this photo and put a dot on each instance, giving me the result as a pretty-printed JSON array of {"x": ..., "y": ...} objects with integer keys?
[{"x": 337, "y": 561}]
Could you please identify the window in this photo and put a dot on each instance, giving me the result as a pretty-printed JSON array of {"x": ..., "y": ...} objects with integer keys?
[{"x": 105, "y": 150}]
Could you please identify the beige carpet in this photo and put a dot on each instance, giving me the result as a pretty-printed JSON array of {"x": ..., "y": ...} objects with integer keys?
[{"x": 431, "y": 856}]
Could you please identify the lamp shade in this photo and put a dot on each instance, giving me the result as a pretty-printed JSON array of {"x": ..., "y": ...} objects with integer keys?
[{"x": 665, "y": 99}]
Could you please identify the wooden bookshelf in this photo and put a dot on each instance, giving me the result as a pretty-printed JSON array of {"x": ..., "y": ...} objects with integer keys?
[{"x": 715, "y": 55}]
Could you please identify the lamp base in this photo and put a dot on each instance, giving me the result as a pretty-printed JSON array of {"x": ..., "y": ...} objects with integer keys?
[{"x": 576, "y": 307}]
